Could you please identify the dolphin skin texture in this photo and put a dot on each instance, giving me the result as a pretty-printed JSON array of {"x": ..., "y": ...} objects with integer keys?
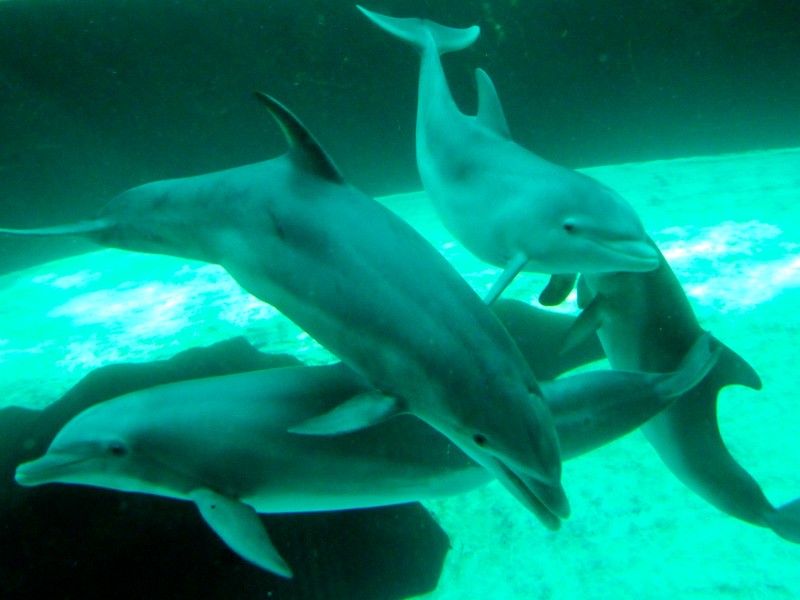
[
  {"x": 645, "y": 322},
  {"x": 225, "y": 444},
  {"x": 295, "y": 234},
  {"x": 508, "y": 206}
]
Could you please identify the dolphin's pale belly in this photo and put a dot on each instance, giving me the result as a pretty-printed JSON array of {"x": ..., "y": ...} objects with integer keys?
[{"x": 365, "y": 490}]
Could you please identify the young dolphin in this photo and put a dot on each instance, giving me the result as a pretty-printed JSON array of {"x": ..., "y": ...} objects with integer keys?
[
  {"x": 645, "y": 322},
  {"x": 223, "y": 443},
  {"x": 368, "y": 287},
  {"x": 507, "y": 206}
]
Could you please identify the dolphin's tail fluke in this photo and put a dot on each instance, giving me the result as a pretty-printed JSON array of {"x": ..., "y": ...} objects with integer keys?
[
  {"x": 417, "y": 32},
  {"x": 79, "y": 228},
  {"x": 785, "y": 521}
]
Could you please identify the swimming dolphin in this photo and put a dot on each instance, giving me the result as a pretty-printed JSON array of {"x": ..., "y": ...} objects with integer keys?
[
  {"x": 645, "y": 322},
  {"x": 538, "y": 333},
  {"x": 368, "y": 287},
  {"x": 223, "y": 443},
  {"x": 508, "y": 206}
]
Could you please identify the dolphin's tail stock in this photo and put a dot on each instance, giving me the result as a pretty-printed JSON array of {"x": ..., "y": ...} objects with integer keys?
[
  {"x": 417, "y": 32},
  {"x": 80, "y": 228},
  {"x": 785, "y": 521}
]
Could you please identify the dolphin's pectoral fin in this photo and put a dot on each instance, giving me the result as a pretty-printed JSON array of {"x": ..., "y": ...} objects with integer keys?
[
  {"x": 363, "y": 410},
  {"x": 514, "y": 266},
  {"x": 240, "y": 528},
  {"x": 735, "y": 370},
  {"x": 785, "y": 521},
  {"x": 585, "y": 295},
  {"x": 79, "y": 228},
  {"x": 490, "y": 111},
  {"x": 557, "y": 289},
  {"x": 304, "y": 149},
  {"x": 587, "y": 323}
]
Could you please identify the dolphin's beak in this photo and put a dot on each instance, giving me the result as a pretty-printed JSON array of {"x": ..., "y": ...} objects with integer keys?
[
  {"x": 632, "y": 256},
  {"x": 46, "y": 469},
  {"x": 79, "y": 228},
  {"x": 537, "y": 498}
]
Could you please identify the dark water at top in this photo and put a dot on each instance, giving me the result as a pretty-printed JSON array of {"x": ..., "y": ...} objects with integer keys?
[{"x": 101, "y": 95}]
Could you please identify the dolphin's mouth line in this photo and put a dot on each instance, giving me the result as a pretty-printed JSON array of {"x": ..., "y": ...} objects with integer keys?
[
  {"x": 25, "y": 476},
  {"x": 514, "y": 483},
  {"x": 628, "y": 247},
  {"x": 632, "y": 250}
]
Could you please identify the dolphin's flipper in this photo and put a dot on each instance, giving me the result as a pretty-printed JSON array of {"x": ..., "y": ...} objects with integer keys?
[
  {"x": 417, "y": 32},
  {"x": 585, "y": 295},
  {"x": 241, "y": 529},
  {"x": 363, "y": 410},
  {"x": 586, "y": 325},
  {"x": 514, "y": 266},
  {"x": 79, "y": 228},
  {"x": 304, "y": 149},
  {"x": 785, "y": 521},
  {"x": 528, "y": 325},
  {"x": 557, "y": 289},
  {"x": 490, "y": 111}
]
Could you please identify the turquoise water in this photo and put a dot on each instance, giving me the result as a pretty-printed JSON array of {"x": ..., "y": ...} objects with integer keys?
[{"x": 730, "y": 227}]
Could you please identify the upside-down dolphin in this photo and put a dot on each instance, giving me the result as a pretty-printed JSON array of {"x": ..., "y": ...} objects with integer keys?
[
  {"x": 645, "y": 322},
  {"x": 223, "y": 443},
  {"x": 508, "y": 206},
  {"x": 368, "y": 287}
]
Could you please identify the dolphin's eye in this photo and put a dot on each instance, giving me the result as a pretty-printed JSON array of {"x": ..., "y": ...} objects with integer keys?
[
  {"x": 117, "y": 449},
  {"x": 568, "y": 226},
  {"x": 480, "y": 439}
]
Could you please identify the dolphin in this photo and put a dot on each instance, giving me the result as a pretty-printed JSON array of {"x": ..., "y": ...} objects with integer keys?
[
  {"x": 507, "y": 206},
  {"x": 368, "y": 287},
  {"x": 530, "y": 325},
  {"x": 224, "y": 443},
  {"x": 645, "y": 322}
]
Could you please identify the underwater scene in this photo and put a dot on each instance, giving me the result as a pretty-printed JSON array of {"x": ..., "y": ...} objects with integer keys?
[{"x": 415, "y": 360}]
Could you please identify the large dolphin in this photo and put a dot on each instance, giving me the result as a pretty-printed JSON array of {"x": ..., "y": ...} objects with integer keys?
[
  {"x": 645, "y": 322},
  {"x": 223, "y": 443},
  {"x": 508, "y": 206},
  {"x": 365, "y": 285}
]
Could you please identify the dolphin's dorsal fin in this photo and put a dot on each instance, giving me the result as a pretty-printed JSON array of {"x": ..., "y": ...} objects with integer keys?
[
  {"x": 360, "y": 411},
  {"x": 240, "y": 528},
  {"x": 304, "y": 149},
  {"x": 735, "y": 370},
  {"x": 490, "y": 111}
]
